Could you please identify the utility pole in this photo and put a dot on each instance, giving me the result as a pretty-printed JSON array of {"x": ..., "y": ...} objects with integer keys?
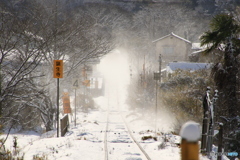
[
  {"x": 75, "y": 108},
  {"x": 157, "y": 77},
  {"x": 75, "y": 87},
  {"x": 160, "y": 67}
]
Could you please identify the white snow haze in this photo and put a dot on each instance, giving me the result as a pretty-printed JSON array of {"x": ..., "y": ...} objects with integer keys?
[{"x": 115, "y": 69}]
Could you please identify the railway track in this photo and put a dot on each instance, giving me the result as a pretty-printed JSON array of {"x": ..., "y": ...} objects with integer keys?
[{"x": 119, "y": 142}]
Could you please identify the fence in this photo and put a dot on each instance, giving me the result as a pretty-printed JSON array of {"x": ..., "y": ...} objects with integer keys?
[
  {"x": 64, "y": 125},
  {"x": 209, "y": 121}
]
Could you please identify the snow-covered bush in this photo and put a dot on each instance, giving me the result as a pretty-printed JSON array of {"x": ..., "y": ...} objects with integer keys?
[{"x": 182, "y": 95}]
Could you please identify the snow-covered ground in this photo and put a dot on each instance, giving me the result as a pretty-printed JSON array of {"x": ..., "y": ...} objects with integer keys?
[{"x": 85, "y": 140}]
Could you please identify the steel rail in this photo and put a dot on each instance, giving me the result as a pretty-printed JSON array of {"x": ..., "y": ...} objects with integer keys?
[
  {"x": 129, "y": 132},
  {"x": 139, "y": 146}
]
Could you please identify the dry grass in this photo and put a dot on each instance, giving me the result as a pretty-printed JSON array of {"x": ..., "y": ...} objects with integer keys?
[{"x": 182, "y": 95}]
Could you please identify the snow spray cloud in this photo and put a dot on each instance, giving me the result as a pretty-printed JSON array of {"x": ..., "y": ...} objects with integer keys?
[{"x": 115, "y": 69}]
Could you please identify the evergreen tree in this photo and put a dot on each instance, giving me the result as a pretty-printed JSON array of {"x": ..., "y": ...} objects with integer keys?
[{"x": 223, "y": 40}]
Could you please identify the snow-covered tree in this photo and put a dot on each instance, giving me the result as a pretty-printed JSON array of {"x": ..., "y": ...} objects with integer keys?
[
  {"x": 29, "y": 43},
  {"x": 223, "y": 39},
  {"x": 21, "y": 53}
]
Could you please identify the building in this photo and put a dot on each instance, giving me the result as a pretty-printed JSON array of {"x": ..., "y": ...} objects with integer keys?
[
  {"x": 186, "y": 66},
  {"x": 198, "y": 54},
  {"x": 173, "y": 48}
]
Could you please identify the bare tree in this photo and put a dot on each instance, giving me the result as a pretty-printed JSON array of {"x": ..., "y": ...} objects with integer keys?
[
  {"x": 23, "y": 98},
  {"x": 29, "y": 44}
]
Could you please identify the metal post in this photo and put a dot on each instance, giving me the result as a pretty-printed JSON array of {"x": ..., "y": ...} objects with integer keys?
[
  {"x": 56, "y": 57},
  {"x": 205, "y": 121},
  {"x": 56, "y": 30},
  {"x": 215, "y": 98},
  {"x": 204, "y": 135},
  {"x": 57, "y": 107},
  {"x": 75, "y": 107},
  {"x": 220, "y": 141},
  {"x": 156, "y": 109},
  {"x": 210, "y": 137},
  {"x": 212, "y": 122}
]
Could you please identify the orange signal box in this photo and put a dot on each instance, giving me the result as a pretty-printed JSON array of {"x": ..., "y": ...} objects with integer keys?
[
  {"x": 66, "y": 103},
  {"x": 58, "y": 69},
  {"x": 86, "y": 83}
]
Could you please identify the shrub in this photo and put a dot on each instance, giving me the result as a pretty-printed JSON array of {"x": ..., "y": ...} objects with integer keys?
[{"x": 182, "y": 95}]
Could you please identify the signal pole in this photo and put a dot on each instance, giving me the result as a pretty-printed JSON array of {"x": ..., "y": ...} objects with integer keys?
[
  {"x": 57, "y": 107},
  {"x": 57, "y": 73}
]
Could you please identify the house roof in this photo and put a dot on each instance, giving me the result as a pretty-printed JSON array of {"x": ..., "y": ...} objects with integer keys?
[
  {"x": 196, "y": 52},
  {"x": 172, "y": 34},
  {"x": 197, "y": 46},
  {"x": 172, "y": 66}
]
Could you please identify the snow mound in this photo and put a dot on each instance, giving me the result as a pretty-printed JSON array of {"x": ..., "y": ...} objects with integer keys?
[{"x": 190, "y": 131}]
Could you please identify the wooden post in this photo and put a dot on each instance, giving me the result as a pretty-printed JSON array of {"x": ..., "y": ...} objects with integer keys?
[
  {"x": 189, "y": 150},
  {"x": 64, "y": 125},
  {"x": 190, "y": 134}
]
